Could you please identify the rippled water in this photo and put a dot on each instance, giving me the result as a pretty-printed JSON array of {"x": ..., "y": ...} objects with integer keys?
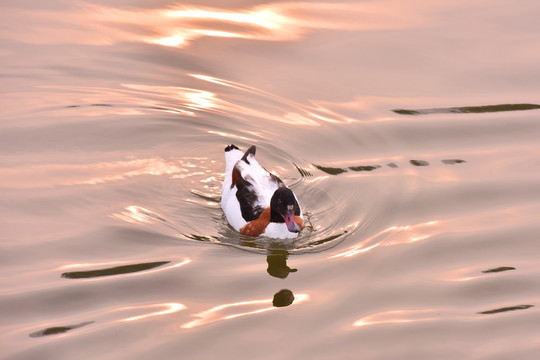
[{"x": 408, "y": 131}]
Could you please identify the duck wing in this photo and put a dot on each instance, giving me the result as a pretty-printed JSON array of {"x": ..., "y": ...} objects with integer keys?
[{"x": 255, "y": 186}]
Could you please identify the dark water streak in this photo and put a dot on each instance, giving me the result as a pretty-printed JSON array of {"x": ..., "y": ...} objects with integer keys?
[
  {"x": 470, "y": 109},
  {"x": 117, "y": 270}
]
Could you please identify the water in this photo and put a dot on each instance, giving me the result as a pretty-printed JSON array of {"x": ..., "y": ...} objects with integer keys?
[{"x": 409, "y": 133}]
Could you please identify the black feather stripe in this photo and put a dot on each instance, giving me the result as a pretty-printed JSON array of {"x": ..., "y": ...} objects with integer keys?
[{"x": 247, "y": 197}]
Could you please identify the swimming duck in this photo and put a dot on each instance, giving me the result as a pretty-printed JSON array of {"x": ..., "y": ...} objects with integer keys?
[{"x": 256, "y": 202}]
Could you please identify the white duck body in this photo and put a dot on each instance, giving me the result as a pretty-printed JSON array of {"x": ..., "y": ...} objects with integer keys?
[{"x": 256, "y": 186}]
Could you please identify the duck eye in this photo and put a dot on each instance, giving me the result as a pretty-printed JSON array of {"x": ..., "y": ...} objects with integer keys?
[{"x": 290, "y": 207}]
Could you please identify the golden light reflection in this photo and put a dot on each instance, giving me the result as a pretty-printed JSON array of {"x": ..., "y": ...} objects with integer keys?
[
  {"x": 264, "y": 18},
  {"x": 394, "y": 235},
  {"x": 139, "y": 99},
  {"x": 79, "y": 265},
  {"x": 136, "y": 214},
  {"x": 201, "y": 99},
  {"x": 399, "y": 235},
  {"x": 169, "y": 308},
  {"x": 181, "y": 96},
  {"x": 229, "y": 135},
  {"x": 264, "y": 105},
  {"x": 88, "y": 101},
  {"x": 300, "y": 114},
  {"x": 49, "y": 175},
  {"x": 463, "y": 274},
  {"x": 181, "y": 24},
  {"x": 397, "y": 316},
  {"x": 234, "y": 310},
  {"x": 470, "y": 273}
]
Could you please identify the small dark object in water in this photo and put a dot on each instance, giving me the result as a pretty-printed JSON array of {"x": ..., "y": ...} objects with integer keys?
[
  {"x": 283, "y": 298},
  {"x": 505, "y": 309},
  {"x": 419, "y": 162},
  {"x": 452, "y": 161},
  {"x": 499, "y": 269},
  {"x": 58, "y": 329}
]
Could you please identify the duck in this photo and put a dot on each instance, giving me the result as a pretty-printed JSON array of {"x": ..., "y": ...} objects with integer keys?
[{"x": 256, "y": 202}]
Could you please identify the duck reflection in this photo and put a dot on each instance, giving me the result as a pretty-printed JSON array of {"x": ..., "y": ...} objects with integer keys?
[
  {"x": 330, "y": 170},
  {"x": 277, "y": 264},
  {"x": 282, "y": 298}
]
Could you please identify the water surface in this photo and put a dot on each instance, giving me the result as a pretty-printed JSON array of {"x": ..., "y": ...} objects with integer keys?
[{"x": 409, "y": 133}]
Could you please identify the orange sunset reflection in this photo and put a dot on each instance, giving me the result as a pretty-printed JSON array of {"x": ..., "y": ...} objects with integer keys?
[
  {"x": 49, "y": 175},
  {"x": 393, "y": 235},
  {"x": 137, "y": 214},
  {"x": 163, "y": 309},
  {"x": 262, "y": 105},
  {"x": 464, "y": 274},
  {"x": 397, "y": 316},
  {"x": 406, "y": 234},
  {"x": 180, "y": 24},
  {"x": 234, "y": 310},
  {"x": 225, "y": 97}
]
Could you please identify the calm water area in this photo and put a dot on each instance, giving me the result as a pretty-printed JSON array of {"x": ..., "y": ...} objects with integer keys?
[{"x": 408, "y": 130}]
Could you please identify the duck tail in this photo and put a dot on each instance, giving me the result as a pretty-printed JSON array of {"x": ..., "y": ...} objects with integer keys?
[{"x": 250, "y": 151}]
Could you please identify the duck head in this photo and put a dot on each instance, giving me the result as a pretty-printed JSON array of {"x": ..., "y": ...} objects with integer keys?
[{"x": 284, "y": 208}]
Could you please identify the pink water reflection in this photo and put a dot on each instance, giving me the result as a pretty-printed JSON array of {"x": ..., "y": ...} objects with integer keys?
[
  {"x": 50, "y": 175},
  {"x": 237, "y": 309},
  {"x": 162, "y": 309},
  {"x": 426, "y": 231},
  {"x": 397, "y": 317},
  {"x": 179, "y": 25},
  {"x": 207, "y": 94}
]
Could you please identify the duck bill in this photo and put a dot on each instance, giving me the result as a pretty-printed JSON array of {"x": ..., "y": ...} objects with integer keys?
[{"x": 290, "y": 221}]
